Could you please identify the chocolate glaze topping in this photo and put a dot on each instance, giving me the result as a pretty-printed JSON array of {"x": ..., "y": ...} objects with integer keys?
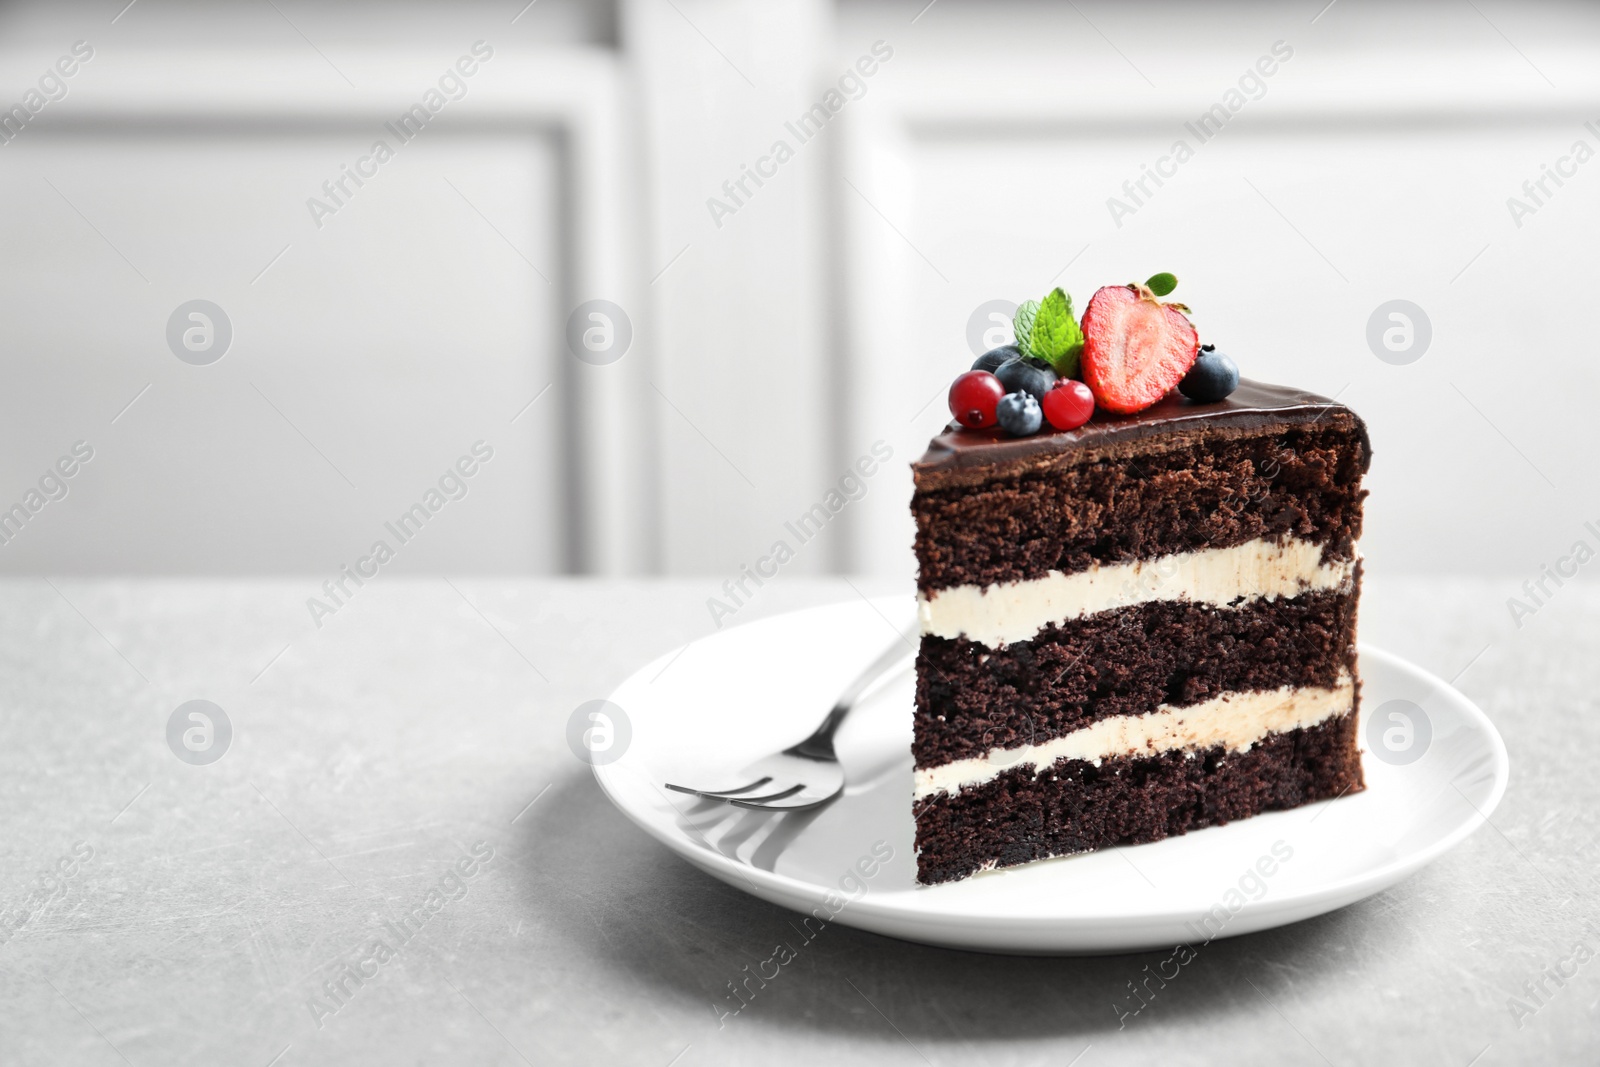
[{"x": 960, "y": 454}]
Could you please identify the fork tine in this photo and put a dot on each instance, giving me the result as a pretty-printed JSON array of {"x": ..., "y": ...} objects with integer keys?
[
  {"x": 807, "y": 805},
  {"x": 752, "y": 802},
  {"x": 758, "y": 783},
  {"x": 720, "y": 794}
]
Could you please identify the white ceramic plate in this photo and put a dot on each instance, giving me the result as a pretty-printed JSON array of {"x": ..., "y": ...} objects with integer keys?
[{"x": 750, "y": 690}]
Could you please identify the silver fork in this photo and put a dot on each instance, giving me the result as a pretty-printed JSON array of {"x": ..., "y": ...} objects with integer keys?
[{"x": 808, "y": 774}]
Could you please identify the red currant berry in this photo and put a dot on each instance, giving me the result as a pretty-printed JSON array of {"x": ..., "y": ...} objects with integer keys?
[
  {"x": 1068, "y": 404},
  {"x": 973, "y": 397}
]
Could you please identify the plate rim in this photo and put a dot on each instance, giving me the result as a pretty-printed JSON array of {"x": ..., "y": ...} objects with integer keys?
[{"x": 786, "y": 889}]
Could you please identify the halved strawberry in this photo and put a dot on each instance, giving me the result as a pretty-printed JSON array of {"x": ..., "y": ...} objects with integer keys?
[{"x": 1135, "y": 348}]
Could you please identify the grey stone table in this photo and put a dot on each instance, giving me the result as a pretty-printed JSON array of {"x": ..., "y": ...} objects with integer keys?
[{"x": 412, "y": 751}]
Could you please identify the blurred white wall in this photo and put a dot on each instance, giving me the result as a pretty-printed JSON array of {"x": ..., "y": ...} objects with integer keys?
[{"x": 772, "y": 345}]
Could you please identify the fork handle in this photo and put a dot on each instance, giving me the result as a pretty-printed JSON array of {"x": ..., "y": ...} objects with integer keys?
[{"x": 819, "y": 746}]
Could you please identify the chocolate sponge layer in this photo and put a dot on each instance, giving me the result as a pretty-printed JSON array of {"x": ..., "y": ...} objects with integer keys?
[
  {"x": 1208, "y": 492},
  {"x": 971, "y": 698},
  {"x": 1076, "y": 806}
]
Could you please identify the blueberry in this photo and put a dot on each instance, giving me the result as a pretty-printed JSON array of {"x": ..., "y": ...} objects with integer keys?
[
  {"x": 1019, "y": 414},
  {"x": 992, "y": 359},
  {"x": 1026, "y": 374},
  {"x": 1213, "y": 377}
]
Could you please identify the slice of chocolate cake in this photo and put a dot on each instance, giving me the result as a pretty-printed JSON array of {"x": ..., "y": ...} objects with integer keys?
[{"x": 1136, "y": 628}]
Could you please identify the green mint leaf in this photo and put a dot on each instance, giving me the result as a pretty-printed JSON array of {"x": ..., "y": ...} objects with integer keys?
[
  {"x": 1162, "y": 284},
  {"x": 1056, "y": 337},
  {"x": 1022, "y": 323}
]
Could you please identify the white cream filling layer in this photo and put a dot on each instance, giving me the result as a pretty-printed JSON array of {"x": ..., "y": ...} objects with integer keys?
[
  {"x": 1234, "y": 720},
  {"x": 997, "y": 615}
]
